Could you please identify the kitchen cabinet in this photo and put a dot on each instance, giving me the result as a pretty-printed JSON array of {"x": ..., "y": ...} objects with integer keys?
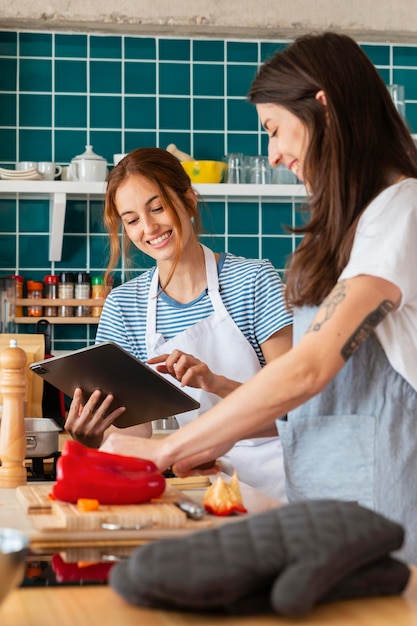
[{"x": 58, "y": 191}]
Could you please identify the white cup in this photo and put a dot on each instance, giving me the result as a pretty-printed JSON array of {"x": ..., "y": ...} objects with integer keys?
[
  {"x": 88, "y": 170},
  {"x": 49, "y": 170},
  {"x": 65, "y": 173},
  {"x": 27, "y": 165}
]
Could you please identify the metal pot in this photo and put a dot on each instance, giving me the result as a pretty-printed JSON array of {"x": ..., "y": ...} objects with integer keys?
[{"x": 41, "y": 437}]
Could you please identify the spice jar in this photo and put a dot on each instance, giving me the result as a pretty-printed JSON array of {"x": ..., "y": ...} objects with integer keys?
[
  {"x": 82, "y": 292},
  {"x": 97, "y": 291},
  {"x": 50, "y": 290},
  {"x": 66, "y": 292},
  {"x": 17, "y": 293},
  {"x": 34, "y": 289}
]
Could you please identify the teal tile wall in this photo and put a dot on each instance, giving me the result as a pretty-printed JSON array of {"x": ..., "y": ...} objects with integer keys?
[{"x": 62, "y": 91}]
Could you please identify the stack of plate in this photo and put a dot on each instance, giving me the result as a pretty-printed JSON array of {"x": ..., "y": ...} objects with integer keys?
[{"x": 30, "y": 174}]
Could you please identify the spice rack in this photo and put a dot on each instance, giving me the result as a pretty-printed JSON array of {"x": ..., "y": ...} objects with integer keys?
[{"x": 92, "y": 302}]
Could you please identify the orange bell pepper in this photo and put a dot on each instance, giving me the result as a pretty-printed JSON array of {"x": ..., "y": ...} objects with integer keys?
[{"x": 223, "y": 498}]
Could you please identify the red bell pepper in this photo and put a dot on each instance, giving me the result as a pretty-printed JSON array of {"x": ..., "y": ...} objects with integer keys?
[
  {"x": 109, "y": 478},
  {"x": 72, "y": 572},
  {"x": 76, "y": 449}
]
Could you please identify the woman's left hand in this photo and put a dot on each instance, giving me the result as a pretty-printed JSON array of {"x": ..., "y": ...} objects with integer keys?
[{"x": 88, "y": 423}]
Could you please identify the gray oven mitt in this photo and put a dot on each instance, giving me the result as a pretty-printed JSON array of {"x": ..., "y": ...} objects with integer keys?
[{"x": 294, "y": 555}]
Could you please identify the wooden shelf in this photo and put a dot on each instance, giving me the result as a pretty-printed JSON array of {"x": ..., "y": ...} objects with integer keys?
[
  {"x": 74, "y": 302},
  {"x": 57, "y": 320},
  {"x": 57, "y": 192},
  {"x": 58, "y": 301}
]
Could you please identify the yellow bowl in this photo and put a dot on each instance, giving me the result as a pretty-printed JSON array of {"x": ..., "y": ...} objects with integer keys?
[{"x": 205, "y": 171}]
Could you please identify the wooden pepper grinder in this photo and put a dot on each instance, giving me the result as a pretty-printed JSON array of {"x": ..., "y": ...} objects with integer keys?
[{"x": 12, "y": 425}]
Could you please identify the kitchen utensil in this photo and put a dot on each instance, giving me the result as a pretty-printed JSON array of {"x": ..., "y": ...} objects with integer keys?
[
  {"x": 13, "y": 550},
  {"x": 205, "y": 171},
  {"x": 49, "y": 170},
  {"x": 41, "y": 437},
  {"x": 181, "y": 156},
  {"x": 88, "y": 167},
  {"x": 191, "y": 508}
]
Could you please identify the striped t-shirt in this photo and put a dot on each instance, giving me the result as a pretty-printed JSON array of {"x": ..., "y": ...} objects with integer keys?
[{"x": 251, "y": 290}]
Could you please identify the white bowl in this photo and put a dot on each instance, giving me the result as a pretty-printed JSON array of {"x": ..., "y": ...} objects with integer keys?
[{"x": 13, "y": 549}]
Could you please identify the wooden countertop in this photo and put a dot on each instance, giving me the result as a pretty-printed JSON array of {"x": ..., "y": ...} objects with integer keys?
[{"x": 101, "y": 606}]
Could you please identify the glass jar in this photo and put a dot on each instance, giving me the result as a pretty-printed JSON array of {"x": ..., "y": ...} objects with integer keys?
[
  {"x": 97, "y": 291},
  {"x": 18, "y": 293},
  {"x": 66, "y": 292},
  {"x": 82, "y": 292},
  {"x": 50, "y": 290},
  {"x": 6, "y": 305},
  {"x": 34, "y": 291}
]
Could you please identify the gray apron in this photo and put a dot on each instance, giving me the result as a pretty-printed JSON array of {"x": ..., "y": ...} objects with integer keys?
[{"x": 357, "y": 440}]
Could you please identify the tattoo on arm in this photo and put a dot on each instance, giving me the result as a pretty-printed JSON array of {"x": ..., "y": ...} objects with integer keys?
[
  {"x": 366, "y": 328},
  {"x": 327, "y": 309}
]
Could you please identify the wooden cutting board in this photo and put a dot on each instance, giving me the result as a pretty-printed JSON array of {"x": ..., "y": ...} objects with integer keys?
[{"x": 52, "y": 515}]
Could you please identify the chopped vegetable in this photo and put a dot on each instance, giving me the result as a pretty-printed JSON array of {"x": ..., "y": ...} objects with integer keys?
[
  {"x": 84, "y": 473},
  {"x": 85, "y": 505},
  {"x": 223, "y": 498}
]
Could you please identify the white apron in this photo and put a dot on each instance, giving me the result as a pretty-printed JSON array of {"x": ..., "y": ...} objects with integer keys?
[{"x": 218, "y": 342}]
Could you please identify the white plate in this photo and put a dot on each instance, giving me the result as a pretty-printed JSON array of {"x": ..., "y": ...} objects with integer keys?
[{"x": 30, "y": 174}]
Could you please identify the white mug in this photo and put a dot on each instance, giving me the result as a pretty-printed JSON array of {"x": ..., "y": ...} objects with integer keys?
[
  {"x": 88, "y": 170},
  {"x": 27, "y": 165},
  {"x": 65, "y": 174},
  {"x": 49, "y": 170}
]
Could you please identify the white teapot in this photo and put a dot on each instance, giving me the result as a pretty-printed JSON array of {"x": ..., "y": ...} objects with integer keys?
[{"x": 88, "y": 167}]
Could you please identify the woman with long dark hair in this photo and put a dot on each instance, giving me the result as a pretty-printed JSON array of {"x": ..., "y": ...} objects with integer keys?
[{"x": 348, "y": 387}]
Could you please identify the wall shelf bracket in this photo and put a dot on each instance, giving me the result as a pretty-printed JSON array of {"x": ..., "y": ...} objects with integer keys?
[{"x": 57, "y": 205}]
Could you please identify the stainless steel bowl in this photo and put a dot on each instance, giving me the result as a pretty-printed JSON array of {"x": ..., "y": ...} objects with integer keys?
[{"x": 13, "y": 549}]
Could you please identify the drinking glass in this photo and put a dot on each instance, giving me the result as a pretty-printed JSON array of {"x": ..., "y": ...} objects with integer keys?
[
  {"x": 235, "y": 168},
  {"x": 397, "y": 95},
  {"x": 259, "y": 170}
]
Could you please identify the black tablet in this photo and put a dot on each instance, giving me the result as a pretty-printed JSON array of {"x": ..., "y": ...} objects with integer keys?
[{"x": 146, "y": 394}]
